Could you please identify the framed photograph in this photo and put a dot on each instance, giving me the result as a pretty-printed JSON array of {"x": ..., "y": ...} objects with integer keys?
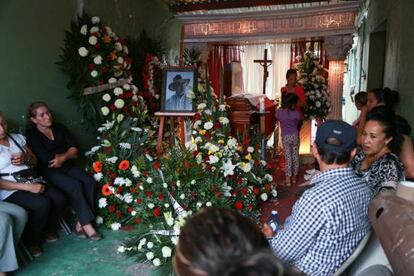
[{"x": 177, "y": 89}]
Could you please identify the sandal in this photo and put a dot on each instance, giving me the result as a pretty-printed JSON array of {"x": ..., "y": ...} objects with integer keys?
[{"x": 95, "y": 237}]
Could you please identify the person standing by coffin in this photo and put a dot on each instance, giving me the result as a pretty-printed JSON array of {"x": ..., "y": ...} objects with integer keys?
[
  {"x": 56, "y": 150},
  {"x": 293, "y": 87}
]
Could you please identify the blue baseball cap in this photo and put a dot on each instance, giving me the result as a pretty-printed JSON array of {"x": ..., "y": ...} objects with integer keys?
[{"x": 336, "y": 136}]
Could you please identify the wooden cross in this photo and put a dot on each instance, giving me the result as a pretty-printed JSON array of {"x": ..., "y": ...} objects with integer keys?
[{"x": 265, "y": 63}]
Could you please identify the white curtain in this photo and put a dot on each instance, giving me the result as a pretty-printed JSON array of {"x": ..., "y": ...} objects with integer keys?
[{"x": 253, "y": 72}]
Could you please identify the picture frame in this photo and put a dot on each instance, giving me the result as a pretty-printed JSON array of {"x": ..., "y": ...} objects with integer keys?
[{"x": 176, "y": 81}]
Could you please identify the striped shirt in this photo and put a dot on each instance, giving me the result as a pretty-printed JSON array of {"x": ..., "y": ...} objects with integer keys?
[{"x": 327, "y": 223}]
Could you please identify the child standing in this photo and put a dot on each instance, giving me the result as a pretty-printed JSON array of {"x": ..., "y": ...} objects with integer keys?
[{"x": 289, "y": 119}]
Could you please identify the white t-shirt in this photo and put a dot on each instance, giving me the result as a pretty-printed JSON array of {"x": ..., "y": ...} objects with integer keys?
[{"x": 5, "y": 161}]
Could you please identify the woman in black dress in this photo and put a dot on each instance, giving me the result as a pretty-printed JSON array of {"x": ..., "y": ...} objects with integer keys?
[{"x": 56, "y": 150}]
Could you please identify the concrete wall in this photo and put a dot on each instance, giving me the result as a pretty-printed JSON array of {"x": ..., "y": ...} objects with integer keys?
[
  {"x": 396, "y": 15},
  {"x": 32, "y": 34}
]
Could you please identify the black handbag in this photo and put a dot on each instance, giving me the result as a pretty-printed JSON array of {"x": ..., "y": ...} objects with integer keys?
[{"x": 26, "y": 175}]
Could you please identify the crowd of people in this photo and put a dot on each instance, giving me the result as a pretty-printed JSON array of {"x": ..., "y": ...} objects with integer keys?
[{"x": 39, "y": 182}]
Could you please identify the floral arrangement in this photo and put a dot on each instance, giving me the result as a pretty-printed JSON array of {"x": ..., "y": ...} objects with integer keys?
[
  {"x": 152, "y": 76},
  {"x": 94, "y": 55},
  {"x": 312, "y": 78}
]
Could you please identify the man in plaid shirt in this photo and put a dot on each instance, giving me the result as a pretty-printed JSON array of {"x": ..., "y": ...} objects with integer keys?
[{"x": 331, "y": 218}]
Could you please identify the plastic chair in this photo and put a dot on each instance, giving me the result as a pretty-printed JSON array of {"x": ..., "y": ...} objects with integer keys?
[{"x": 354, "y": 255}]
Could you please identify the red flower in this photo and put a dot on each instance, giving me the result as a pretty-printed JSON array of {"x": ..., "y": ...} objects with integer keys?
[
  {"x": 105, "y": 190},
  {"x": 161, "y": 197},
  {"x": 111, "y": 208},
  {"x": 97, "y": 166},
  {"x": 186, "y": 164},
  {"x": 207, "y": 135},
  {"x": 119, "y": 190},
  {"x": 130, "y": 209},
  {"x": 197, "y": 116},
  {"x": 156, "y": 165},
  {"x": 238, "y": 205},
  {"x": 137, "y": 220},
  {"x": 124, "y": 165},
  {"x": 239, "y": 180},
  {"x": 244, "y": 191},
  {"x": 91, "y": 66},
  {"x": 217, "y": 194},
  {"x": 134, "y": 190},
  {"x": 257, "y": 162},
  {"x": 148, "y": 193},
  {"x": 138, "y": 201},
  {"x": 118, "y": 214},
  {"x": 256, "y": 190},
  {"x": 156, "y": 212}
]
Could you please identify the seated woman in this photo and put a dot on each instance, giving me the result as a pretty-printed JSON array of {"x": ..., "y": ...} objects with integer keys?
[
  {"x": 13, "y": 219},
  {"x": 378, "y": 161},
  {"x": 219, "y": 241},
  {"x": 43, "y": 203},
  {"x": 56, "y": 149}
]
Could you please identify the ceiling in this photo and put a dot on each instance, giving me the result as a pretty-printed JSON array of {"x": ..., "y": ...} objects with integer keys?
[{"x": 180, "y": 6}]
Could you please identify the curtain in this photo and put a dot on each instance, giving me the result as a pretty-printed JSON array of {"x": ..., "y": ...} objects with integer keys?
[
  {"x": 253, "y": 72},
  {"x": 219, "y": 56}
]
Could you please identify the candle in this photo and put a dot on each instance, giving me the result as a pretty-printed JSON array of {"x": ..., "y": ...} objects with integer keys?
[{"x": 262, "y": 108}]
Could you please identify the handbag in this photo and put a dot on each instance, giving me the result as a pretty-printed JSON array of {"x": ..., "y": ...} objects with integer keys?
[{"x": 26, "y": 175}]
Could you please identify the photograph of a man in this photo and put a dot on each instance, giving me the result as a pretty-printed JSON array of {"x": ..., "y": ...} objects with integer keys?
[{"x": 177, "y": 93}]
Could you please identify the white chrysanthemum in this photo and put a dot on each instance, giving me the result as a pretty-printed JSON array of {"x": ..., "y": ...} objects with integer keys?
[
  {"x": 156, "y": 262},
  {"x": 151, "y": 205},
  {"x": 105, "y": 110},
  {"x": 126, "y": 86},
  {"x": 268, "y": 177},
  {"x": 182, "y": 196},
  {"x": 149, "y": 180},
  {"x": 224, "y": 120},
  {"x": 208, "y": 112},
  {"x": 250, "y": 149},
  {"x": 102, "y": 203},
  {"x": 83, "y": 52},
  {"x": 112, "y": 80},
  {"x": 199, "y": 204},
  {"x": 166, "y": 205},
  {"x": 208, "y": 204},
  {"x": 263, "y": 196},
  {"x": 201, "y": 106},
  {"x": 98, "y": 177},
  {"x": 115, "y": 226},
  {"x": 133, "y": 213},
  {"x": 193, "y": 182},
  {"x": 150, "y": 255},
  {"x": 222, "y": 107},
  {"x": 150, "y": 245},
  {"x": 274, "y": 193},
  {"x": 119, "y": 103},
  {"x": 174, "y": 240},
  {"x": 84, "y": 29},
  {"x": 135, "y": 171},
  {"x": 120, "y": 60},
  {"x": 99, "y": 220},
  {"x": 94, "y": 29},
  {"x": 178, "y": 183},
  {"x": 128, "y": 198},
  {"x": 208, "y": 125},
  {"x": 118, "y": 91},
  {"x": 166, "y": 251},
  {"x": 92, "y": 40},
  {"x": 95, "y": 20},
  {"x": 232, "y": 142},
  {"x": 118, "y": 46},
  {"x": 106, "y": 97},
  {"x": 121, "y": 249},
  {"x": 125, "y": 145},
  {"x": 94, "y": 73},
  {"x": 97, "y": 60}
]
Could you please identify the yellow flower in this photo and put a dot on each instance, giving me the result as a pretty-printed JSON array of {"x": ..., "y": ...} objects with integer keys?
[
  {"x": 202, "y": 131},
  {"x": 248, "y": 157},
  {"x": 221, "y": 141}
]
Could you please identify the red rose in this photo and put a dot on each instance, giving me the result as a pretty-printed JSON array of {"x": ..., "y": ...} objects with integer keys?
[
  {"x": 187, "y": 164},
  {"x": 244, "y": 191},
  {"x": 118, "y": 214},
  {"x": 91, "y": 66},
  {"x": 156, "y": 165},
  {"x": 239, "y": 180},
  {"x": 138, "y": 201},
  {"x": 148, "y": 193},
  {"x": 161, "y": 197},
  {"x": 119, "y": 190},
  {"x": 238, "y": 205},
  {"x": 137, "y": 220},
  {"x": 156, "y": 212},
  {"x": 256, "y": 190},
  {"x": 217, "y": 194},
  {"x": 130, "y": 209},
  {"x": 124, "y": 165},
  {"x": 111, "y": 208}
]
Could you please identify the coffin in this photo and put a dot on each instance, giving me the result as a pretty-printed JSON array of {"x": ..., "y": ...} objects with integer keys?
[{"x": 243, "y": 114}]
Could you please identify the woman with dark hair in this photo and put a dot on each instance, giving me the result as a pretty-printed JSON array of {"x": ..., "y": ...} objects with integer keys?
[
  {"x": 289, "y": 118},
  {"x": 360, "y": 104},
  {"x": 378, "y": 161},
  {"x": 218, "y": 241},
  {"x": 56, "y": 150},
  {"x": 293, "y": 87}
]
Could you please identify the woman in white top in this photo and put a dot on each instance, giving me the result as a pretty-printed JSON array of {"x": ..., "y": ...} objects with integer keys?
[{"x": 43, "y": 203}]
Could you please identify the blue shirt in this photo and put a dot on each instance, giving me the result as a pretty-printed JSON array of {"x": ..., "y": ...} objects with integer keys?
[{"x": 327, "y": 223}]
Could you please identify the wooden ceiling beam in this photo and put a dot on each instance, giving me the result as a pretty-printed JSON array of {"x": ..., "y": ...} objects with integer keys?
[{"x": 185, "y": 6}]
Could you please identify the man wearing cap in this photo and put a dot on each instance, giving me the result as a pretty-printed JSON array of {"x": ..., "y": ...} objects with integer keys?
[
  {"x": 179, "y": 101},
  {"x": 331, "y": 218}
]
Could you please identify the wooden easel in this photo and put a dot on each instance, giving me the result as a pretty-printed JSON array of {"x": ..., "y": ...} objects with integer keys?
[{"x": 172, "y": 116}]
